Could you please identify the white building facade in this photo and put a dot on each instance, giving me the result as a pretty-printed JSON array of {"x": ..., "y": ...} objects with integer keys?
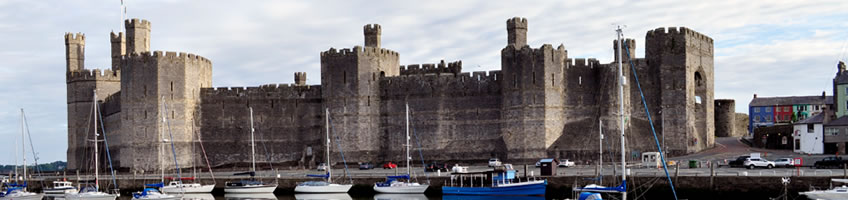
[{"x": 809, "y": 135}]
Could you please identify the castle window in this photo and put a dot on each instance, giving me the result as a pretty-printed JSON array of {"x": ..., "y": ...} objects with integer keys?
[
  {"x": 534, "y": 78},
  {"x": 145, "y": 91},
  {"x": 172, "y": 87},
  {"x": 145, "y": 114},
  {"x": 580, "y": 80},
  {"x": 344, "y": 77},
  {"x": 553, "y": 80},
  {"x": 172, "y": 115},
  {"x": 514, "y": 80}
]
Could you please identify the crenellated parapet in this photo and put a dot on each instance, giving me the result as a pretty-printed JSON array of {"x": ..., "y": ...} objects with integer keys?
[
  {"x": 167, "y": 56},
  {"x": 74, "y": 38},
  {"x": 438, "y": 68},
  {"x": 269, "y": 91},
  {"x": 674, "y": 40},
  {"x": 94, "y": 75},
  {"x": 461, "y": 84},
  {"x": 358, "y": 51},
  {"x": 111, "y": 104},
  {"x": 137, "y": 23}
]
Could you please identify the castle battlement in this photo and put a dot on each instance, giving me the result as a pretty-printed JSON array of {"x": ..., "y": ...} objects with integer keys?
[
  {"x": 266, "y": 91},
  {"x": 94, "y": 75},
  {"x": 679, "y": 31},
  {"x": 516, "y": 23},
  {"x": 359, "y": 50},
  {"x": 169, "y": 55},
  {"x": 583, "y": 62},
  {"x": 116, "y": 37},
  {"x": 74, "y": 38},
  {"x": 112, "y": 104},
  {"x": 137, "y": 23},
  {"x": 441, "y": 67},
  {"x": 430, "y": 84},
  {"x": 372, "y": 29}
]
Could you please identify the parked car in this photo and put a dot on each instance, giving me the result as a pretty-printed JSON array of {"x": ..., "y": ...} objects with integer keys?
[
  {"x": 493, "y": 162},
  {"x": 566, "y": 163},
  {"x": 751, "y": 163},
  {"x": 366, "y": 166},
  {"x": 323, "y": 167},
  {"x": 432, "y": 167},
  {"x": 389, "y": 165},
  {"x": 784, "y": 162},
  {"x": 739, "y": 162},
  {"x": 830, "y": 162}
]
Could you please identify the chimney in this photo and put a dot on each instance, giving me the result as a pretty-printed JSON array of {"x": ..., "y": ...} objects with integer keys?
[
  {"x": 840, "y": 67},
  {"x": 755, "y": 96},
  {"x": 824, "y": 95}
]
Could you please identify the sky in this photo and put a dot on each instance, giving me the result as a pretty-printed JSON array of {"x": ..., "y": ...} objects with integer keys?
[{"x": 768, "y": 48}]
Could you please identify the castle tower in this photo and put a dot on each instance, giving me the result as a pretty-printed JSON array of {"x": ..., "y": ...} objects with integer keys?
[
  {"x": 629, "y": 50},
  {"x": 149, "y": 80},
  {"x": 685, "y": 62},
  {"x": 300, "y": 78},
  {"x": 81, "y": 85},
  {"x": 533, "y": 94},
  {"x": 516, "y": 29},
  {"x": 350, "y": 81},
  {"x": 725, "y": 118},
  {"x": 138, "y": 36},
  {"x": 372, "y": 35},
  {"x": 118, "y": 49},
  {"x": 74, "y": 51}
]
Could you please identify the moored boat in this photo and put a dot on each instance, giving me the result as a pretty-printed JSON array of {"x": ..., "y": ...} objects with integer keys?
[
  {"x": 60, "y": 188},
  {"x": 839, "y": 192},
  {"x": 500, "y": 181}
]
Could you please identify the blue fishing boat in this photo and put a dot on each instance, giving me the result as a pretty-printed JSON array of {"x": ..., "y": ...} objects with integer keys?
[{"x": 498, "y": 182}]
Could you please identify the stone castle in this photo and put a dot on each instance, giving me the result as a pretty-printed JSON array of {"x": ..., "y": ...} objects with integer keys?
[{"x": 540, "y": 104}]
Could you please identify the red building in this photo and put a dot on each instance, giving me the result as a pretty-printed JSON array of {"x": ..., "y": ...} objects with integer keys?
[{"x": 783, "y": 113}]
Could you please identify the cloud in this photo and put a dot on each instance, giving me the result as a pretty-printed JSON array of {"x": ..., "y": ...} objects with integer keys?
[{"x": 758, "y": 44}]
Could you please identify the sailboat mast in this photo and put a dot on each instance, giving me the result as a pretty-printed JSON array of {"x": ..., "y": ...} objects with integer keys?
[
  {"x": 621, "y": 111},
  {"x": 17, "y": 176},
  {"x": 408, "y": 167},
  {"x": 252, "y": 143},
  {"x": 96, "y": 153},
  {"x": 327, "y": 127},
  {"x": 23, "y": 144},
  {"x": 600, "y": 151},
  {"x": 162, "y": 142}
]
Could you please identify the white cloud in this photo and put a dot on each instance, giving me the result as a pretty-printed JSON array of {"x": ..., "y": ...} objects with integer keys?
[{"x": 759, "y": 44}]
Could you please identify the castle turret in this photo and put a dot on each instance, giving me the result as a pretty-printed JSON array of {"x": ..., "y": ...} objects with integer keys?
[
  {"x": 74, "y": 51},
  {"x": 516, "y": 29},
  {"x": 300, "y": 78},
  {"x": 629, "y": 49},
  {"x": 372, "y": 35},
  {"x": 118, "y": 49},
  {"x": 138, "y": 36}
]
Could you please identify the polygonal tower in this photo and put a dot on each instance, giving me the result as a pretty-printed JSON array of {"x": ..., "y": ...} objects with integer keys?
[
  {"x": 533, "y": 93},
  {"x": 350, "y": 81}
]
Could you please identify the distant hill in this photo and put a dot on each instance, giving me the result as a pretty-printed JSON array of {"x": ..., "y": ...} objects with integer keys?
[{"x": 48, "y": 167}]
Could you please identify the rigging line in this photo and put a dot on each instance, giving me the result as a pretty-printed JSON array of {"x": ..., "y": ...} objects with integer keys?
[
  {"x": 339, "y": 143},
  {"x": 650, "y": 121},
  {"x": 32, "y": 147},
  {"x": 106, "y": 145},
  {"x": 173, "y": 148},
  {"x": 85, "y": 141},
  {"x": 265, "y": 148},
  {"x": 420, "y": 153},
  {"x": 206, "y": 157}
]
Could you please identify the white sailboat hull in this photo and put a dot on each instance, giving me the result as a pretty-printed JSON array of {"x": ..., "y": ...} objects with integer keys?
[
  {"x": 250, "y": 196},
  {"x": 23, "y": 196},
  {"x": 187, "y": 188},
  {"x": 59, "y": 191},
  {"x": 412, "y": 188},
  {"x": 331, "y": 188},
  {"x": 251, "y": 189},
  {"x": 336, "y": 196},
  {"x": 90, "y": 196},
  {"x": 826, "y": 194}
]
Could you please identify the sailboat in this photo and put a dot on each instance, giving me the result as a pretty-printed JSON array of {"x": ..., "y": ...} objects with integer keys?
[
  {"x": 323, "y": 186},
  {"x": 18, "y": 191},
  {"x": 177, "y": 185},
  {"x": 392, "y": 185},
  {"x": 252, "y": 185},
  {"x": 93, "y": 193},
  {"x": 150, "y": 191}
]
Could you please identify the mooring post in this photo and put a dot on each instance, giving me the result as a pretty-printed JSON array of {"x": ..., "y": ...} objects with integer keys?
[
  {"x": 712, "y": 176},
  {"x": 676, "y": 171}
]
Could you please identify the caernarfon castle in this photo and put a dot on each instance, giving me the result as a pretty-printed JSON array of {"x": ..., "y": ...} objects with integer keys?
[{"x": 540, "y": 104}]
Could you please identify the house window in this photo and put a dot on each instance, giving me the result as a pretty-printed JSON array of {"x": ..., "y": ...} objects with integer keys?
[
  {"x": 810, "y": 128},
  {"x": 831, "y": 131},
  {"x": 757, "y": 109},
  {"x": 797, "y": 144},
  {"x": 768, "y": 109},
  {"x": 757, "y": 118}
]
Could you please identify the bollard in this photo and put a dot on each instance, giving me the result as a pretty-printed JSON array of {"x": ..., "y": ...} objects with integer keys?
[
  {"x": 439, "y": 172},
  {"x": 712, "y": 176}
]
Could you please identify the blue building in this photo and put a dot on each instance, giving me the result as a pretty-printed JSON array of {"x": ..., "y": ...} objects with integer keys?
[{"x": 762, "y": 111}]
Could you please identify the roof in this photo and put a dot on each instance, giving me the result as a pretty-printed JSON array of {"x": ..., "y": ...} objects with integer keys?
[
  {"x": 815, "y": 119},
  {"x": 842, "y": 121},
  {"x": 547, "y": 160},
  {"x": 791, "y": 100}
]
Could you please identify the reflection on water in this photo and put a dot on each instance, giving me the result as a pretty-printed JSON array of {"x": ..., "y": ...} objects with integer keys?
[
  {"x": 466, "y": 197},
  {"x": 250, "y": 196},
  {"x": 330, "y": 196},
  {"x": 198, "y": 196},
  {"x": 400, "y": 197}
]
